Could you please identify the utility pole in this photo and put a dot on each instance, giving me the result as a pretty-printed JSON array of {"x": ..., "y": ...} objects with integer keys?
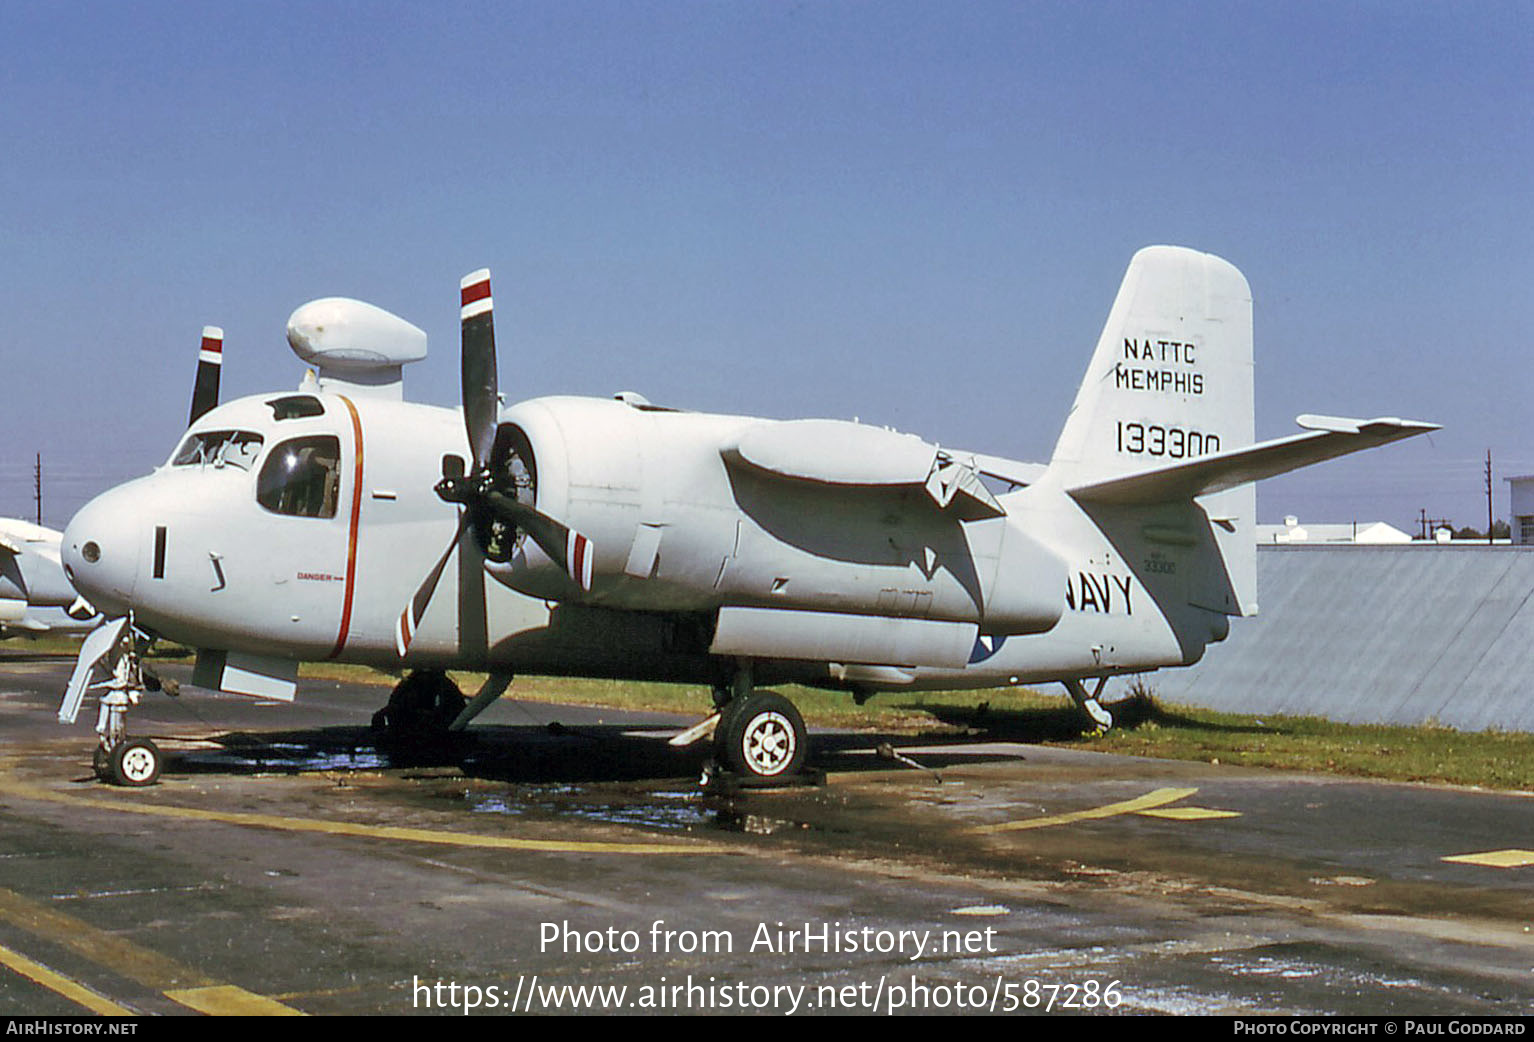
[
  {"x": 37, "y": 487},
  {"x": 1488, "y": 497}
]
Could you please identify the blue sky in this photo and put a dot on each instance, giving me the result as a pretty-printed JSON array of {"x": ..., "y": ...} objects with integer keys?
[{"x": 912, "y": 213}]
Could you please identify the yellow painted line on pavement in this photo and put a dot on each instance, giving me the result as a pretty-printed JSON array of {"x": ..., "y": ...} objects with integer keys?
[
  {"x": 1496, "y": 858},
  {"x": 74, "y": 991},
  {"x": 126, "y": 959},
  {"x": 131, "y": 804},
  {"x": 1158, "y": 798},
  {"x": 226, "y": 1000},
  {"x": 1188, "y": 813},
  {"x": 102, "y": 948}
]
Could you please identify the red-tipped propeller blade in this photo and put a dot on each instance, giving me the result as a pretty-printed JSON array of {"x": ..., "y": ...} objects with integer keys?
[
  {"x": 410, "y": 619},
  {"x": 475, "y": 491},
  {"x": 210, "y": 362},
  {"x": 564, "y": 546},
  {"x": 481, "y": 401}
]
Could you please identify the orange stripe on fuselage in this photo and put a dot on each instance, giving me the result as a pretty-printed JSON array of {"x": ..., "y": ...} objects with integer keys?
[{"x": 351, "y": 538}]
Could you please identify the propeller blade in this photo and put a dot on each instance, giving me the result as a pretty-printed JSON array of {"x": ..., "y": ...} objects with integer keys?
[
  {"x": 474, "y": 491},
  {"x": 481, "y": 404},
  {"x": 210, "y": 362},
  {"x": 564, "y": 546},
  {"x": 410, "y": 619}
]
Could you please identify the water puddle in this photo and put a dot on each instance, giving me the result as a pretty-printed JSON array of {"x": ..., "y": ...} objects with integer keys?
[
  {"x": 288, "y": 757},
  {"x": 667, "y": 811}
]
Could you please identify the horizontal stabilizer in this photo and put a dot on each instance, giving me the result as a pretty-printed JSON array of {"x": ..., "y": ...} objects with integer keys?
[{"x": 1328, "y": 437}]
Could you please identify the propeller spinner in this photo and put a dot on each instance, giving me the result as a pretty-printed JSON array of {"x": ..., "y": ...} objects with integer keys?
[{"x": 491, "y": 509}]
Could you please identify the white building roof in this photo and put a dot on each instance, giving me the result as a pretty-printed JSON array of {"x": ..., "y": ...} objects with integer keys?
[{"x": 1359, "y": 532}]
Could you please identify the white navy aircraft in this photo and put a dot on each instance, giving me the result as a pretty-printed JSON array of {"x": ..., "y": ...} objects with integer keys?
[
  {"x": 609, "y": 537},
  {"x": 35, "y": 596}
]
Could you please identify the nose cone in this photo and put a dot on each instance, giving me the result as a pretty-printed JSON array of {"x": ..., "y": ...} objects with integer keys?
[{"x": 101, "y": 550}]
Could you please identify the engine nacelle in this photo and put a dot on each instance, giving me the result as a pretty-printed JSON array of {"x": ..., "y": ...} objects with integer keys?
[{"x": 680, "y": 523}]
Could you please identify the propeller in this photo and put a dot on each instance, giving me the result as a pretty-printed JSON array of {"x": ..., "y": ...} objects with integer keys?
[
  {"x": 491, "y": 510},
  {"x": 210, "y": 362}
]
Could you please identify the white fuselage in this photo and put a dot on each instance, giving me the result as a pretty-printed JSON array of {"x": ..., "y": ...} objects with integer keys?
[{"x": 306, "y": 544}]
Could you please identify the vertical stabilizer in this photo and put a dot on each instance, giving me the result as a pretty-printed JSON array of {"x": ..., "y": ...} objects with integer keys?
[
  {"x": 1170, "y": 382},
  {"x": 1171, "y": 378}
]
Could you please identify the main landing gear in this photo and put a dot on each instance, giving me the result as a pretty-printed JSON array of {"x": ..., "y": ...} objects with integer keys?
[
  {"x": 422, "y": 706},
  {"x": 759, "y": 737},
  {"x": 427, "y": 706}
]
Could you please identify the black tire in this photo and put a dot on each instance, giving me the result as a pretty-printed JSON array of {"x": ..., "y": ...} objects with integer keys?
[
  {"x": 447, "y": 702},
  {"x": 101, "y": 763},
  {"x": 762, "y": 736},
  {"x": 420, "y": 706},
  {"x": 136, "y": 762}
]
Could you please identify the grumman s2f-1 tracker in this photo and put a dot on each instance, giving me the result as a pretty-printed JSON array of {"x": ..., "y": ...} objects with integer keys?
[
  {"x": 32, "y": 581},
  {"x": 615, "y": 538}
]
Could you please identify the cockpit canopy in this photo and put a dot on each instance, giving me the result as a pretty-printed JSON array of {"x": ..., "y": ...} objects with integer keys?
[
  {"x": 218, "y": 449},
  {"x": 300, "y": 477}
]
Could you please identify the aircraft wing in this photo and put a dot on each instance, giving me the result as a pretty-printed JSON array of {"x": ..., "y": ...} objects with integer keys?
[{"x": 1327, "y": 438}]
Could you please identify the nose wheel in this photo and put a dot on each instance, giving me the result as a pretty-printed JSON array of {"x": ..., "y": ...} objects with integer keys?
[{"x": 133, "y": 762}]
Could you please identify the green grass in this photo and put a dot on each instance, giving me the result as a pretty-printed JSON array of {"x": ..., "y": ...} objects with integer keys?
[{"x": 1145, "y": 727}]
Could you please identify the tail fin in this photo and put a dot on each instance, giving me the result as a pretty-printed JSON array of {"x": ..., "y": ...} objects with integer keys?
[
  {"x": 1171, "y": 379},
  {"x": 1171, "y": 382},
  {"x": 1158, "y": 448}
]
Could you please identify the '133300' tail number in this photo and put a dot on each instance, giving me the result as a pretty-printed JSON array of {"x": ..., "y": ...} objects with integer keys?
[{"x": 1141, "y": 439}]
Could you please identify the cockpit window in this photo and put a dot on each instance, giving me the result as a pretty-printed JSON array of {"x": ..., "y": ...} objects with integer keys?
[
  {"x": 218, "y": 449},
  {"x": 302, "y": 477},
  {"x": 295, "y": 407}
]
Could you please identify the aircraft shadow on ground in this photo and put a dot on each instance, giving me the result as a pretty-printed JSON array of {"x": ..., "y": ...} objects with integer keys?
[
  {"x": 540, "y": 753},
  {"x": 1065, "y": 722}
]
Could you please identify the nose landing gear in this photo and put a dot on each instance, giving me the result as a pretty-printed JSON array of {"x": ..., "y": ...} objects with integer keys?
[
  {"x": 119, "y": 759},
  {"x": 114, "y": 646}
]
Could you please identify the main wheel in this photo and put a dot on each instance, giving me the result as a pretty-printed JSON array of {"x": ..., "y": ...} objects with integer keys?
[
  {"x": 763, "y": 737},
  {"x": 135, "y": 762},
  {"x": 421, "y": 705}
]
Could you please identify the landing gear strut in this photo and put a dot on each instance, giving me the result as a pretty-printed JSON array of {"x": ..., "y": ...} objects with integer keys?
[{"x": 1089, "y": 704}]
